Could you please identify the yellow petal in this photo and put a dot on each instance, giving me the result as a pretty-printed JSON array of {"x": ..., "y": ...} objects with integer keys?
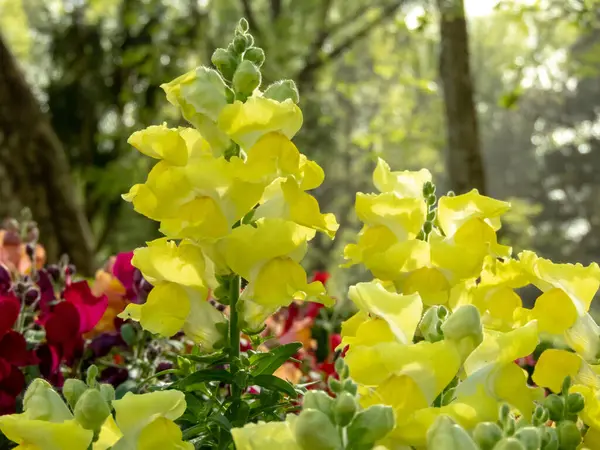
[
  {"x": 265, "y": 436},
  {"x": 430, "y": 283},
  {"x": 554, "y": 311},
  {"x": 202, "y": 325},
  {"x": 42, "y": 435},
  {"x": 453, "y": 212},
  {"x": 583, "y": 337},
  {"x": 160, "y": 142},
  {"x": 109, "y": 435},
  {"x": 201, "y": 218},
  {"x": 554, "y": 365},
  {"x": 136, "y": 411},
  {"x": 401, "y": 312},
  {"x": 405, "y": 184},
  {"x": 245, "y": 123},
  {"x": 160, "y": 434}
]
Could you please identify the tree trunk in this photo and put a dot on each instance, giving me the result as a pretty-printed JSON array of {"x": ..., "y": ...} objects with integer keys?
[
  {"x": 464, "y": 158},
  {"x": 36, "y": 171}
]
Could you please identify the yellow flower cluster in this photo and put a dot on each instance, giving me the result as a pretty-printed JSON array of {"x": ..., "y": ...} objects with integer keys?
[
  {"x": 143, "y": 422},
  {"x": 231, "y": 197},
  {"x": 439, "y": 329}
]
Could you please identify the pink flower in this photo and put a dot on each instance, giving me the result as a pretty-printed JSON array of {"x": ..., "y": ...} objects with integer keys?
[{"x": 90, "y": 308}]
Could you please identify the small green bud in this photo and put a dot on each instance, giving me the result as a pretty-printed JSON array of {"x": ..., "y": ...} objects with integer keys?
[
  {"x": 464, "y": 328},
  {"x": 504, "y": 413},
  {"x": 92, "y": 374},
  {"x": 72, "y": 390},
  {"x": 239, "y": 44},
  {"x": 487, "y": 434},
  {"x": 108, "y": 392},
  {"x": 555, "y": 406},
  {"x": 319, "y": 400},
  {"x": 334, "y": 385},
  {"x": 225, "y": 61},
  {"x": 427, "y": 227},
  {"x": 428, "y": 189},
  {"x": 350, "y": 386},
  {"x": 345, "y": 409},
  {"x": 315, "y": 431},
  {"x": 91, "y": 410},
  {"x": 339, "y": 366},
  {"x": 282, "y": 90},
  {"x": 255, "y": 55},
  {"x": 530, "y": 437},
  {"x": 575, "y": 402},
  {"x": 442, "y": 312},
  {"x": 509, "y": 443},
  {"x": 249, "y": 40},
  {"x": 510, "y": 426},
  {"x": 431, "y": 215},
  {"x": 569, "y": 436},
  {"x": 431, "y": 200},
  {"x": 566, "y": 385},
  {"x": 430, "y": 325},
  {"x": 540, "y": 415},
  {"x": 451, "y": 194},
  {"x": 421, "y": 236},
  {"x": 243, "y": 25},
  {"x": 445, "y": 434},
  {"x": 370, "y": 425},
  {"x": 247, "y": 77},
  {"x": 549, "y": 438}
]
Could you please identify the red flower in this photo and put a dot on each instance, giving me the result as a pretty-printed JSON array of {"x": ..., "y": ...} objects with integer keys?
[
  {"x": 90, "y": 308},
  {"x": 321, "y": 276},
  {"x": 63, "y": 331},
  {"x": 124, "y": 272},
  {"x": 10, "y": 306}
]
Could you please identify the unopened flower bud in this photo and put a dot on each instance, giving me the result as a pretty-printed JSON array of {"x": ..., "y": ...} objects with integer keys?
[
  {"x": 464, "y": 328},
  {"x": 5, "y": 279},
  {"x": 334, "y": 385},
  {"x": 575, "y": 402},
  {"x": 487, "y": 435},
  {"x": 569, "y": 436},
  {"x": 530, "y": 437},
  {"x": 509, "y": 443},
  {"x": 72, "y": 390},
  {"x": 92, "y": 374},
  {"x": 427, "y": 227},
  {"x": 540, "y": 415},
  {"x": 255, "y": 55},
  {"x": 42, "y": 402},
  {"x": 431, "y": 215},
  {"x": 430, "y": 325},
  {"x": 242, "y": 26},
  {"x": 70, "y": 270},
  {"x": 339, "y": 365},
  {"x": 345, "y": 409},
  {"x": 319, "y": 400},
  {"x": 11, "y": 225},
  {"x": 128, "y": 334},
  {"x": 91, "y": 410},
  {"x": 31, "y": 295},
  {"x": 247, "y": 77},
  {"x": 445, "y": 434},
  {"x": 555, "y": 406},
  {"x": 370, "y": 425},
  {"x": 225, "y": 62},
  {"x": 249, "y": 40},
  {"x": 431, "y": 199},
  {"x": 107, "y": 391},
  {"x": 33, "y": 232},
  {"x": 54, "y": 271},
  {"x": 239, "y": 44},
  {"x": 549, "y": 438},
  {"x": 315, "y": 431},
  {"x": 282, "y": 90}
]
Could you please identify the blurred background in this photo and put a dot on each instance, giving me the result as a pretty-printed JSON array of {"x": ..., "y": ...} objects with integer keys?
[{"x": 503, "y": 96}]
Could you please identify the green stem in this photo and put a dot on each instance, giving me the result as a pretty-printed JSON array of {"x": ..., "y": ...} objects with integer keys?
[{"x": 234, "y": 331}]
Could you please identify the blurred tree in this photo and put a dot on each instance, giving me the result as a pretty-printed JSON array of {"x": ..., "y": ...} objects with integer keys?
[{"x": 38, "y": 172}]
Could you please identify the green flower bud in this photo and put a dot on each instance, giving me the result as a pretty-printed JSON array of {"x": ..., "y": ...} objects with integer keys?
[
  {"x": 487, "y": 434},
  {"x": 282, "y": 90},
  {"x": 239, "y": 44},
  {"x": 504, "y": 413},
  {"x": 575, "y": 402},
  {"x": 92, "y": 374},
  {"x": 540, "y": 415},
  {"x": 431, "y": 216},
  {"x": 72, "y": 390},
  {"x": 315, "y": 431},
  {"x": 339, "y": 366},
  {"x": 555, "y": 406},
  {"x": 569, "y": 436},
  {"x": 370, "y": 425},
  {"x": 225, "y": 62},
  {"x": 566, "y": 385},
  {"x": 108, "y": 392},
  {"x": 128, "y": 334},
  {"x": 428, "y": 189},
  {"x": 345, "y": 409},
  {"x": 430, "y": 325},
  {"x": 334, "y": 385},
  {"x": 249, "y": 40},
  {"x": 247, "y": 77},
  {"x": 464, "y": 327},
  {"x": 255, "y": 55},
  {"x": 427, "y": 227},
  {"x": 91, "y": 410},
  {"x": 242, "y": 26},
  {"x": 445, "y": 434},
  {"x": 451, "y": 194},
  {"x": 350, "y": 386},
  {"x": 320, "y": 401},
  {"x": 549, "y": 438},
  {"x": 529, "y": 437},
  {"x": 510, "y": 443}
]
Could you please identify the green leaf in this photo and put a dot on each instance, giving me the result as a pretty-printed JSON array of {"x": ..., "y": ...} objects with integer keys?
[
  {"x": 205, "y": 359},
  {"x": 202, "y": 376},
  {"x": 268, "y": 363},
  {"x": 275, "y": 383}
]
